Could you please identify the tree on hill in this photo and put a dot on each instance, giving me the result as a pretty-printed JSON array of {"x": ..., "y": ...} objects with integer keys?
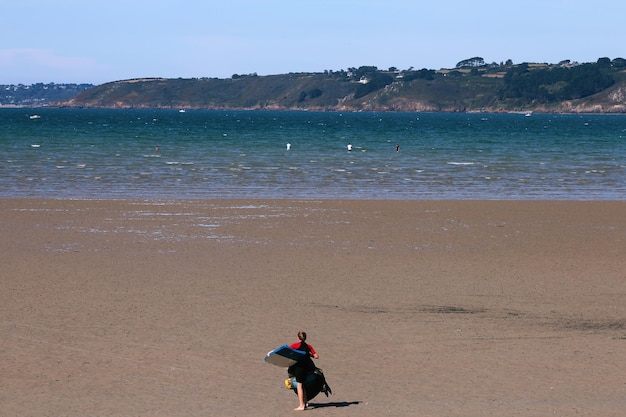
[
  {"x": 363, "y": 72},
  {"x": 604, "y": 62},
  {"x": 619, "y": 63},
  {"x": 424, "y": 73},
  {"x": 471, "y": 63}
]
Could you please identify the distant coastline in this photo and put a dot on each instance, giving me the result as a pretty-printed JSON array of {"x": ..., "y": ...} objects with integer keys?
[
  {"x": 472, "y": 86},
  {"x": 39, "y": 94}
]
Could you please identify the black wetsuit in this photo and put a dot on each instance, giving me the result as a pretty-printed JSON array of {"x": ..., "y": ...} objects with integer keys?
[{"x": 304, "y": 367}]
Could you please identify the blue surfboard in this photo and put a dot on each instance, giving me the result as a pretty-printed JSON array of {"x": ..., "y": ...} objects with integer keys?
[{"x": 284, "y": 356}]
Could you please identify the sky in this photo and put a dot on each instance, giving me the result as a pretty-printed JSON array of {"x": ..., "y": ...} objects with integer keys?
[{"x": 95, "y": 41}]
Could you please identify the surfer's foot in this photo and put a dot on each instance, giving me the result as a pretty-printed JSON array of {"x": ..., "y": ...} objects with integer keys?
[{"x": 300, "y": 408}]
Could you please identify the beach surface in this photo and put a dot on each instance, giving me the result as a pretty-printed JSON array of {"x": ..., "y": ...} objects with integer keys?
[{"x": 416, "y": 308}]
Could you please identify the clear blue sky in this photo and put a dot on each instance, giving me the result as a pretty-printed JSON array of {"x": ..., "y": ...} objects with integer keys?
[{"x": 95, "y": 41}]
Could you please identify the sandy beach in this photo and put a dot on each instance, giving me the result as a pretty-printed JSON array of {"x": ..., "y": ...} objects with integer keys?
[{"x": 417, "y": 308}]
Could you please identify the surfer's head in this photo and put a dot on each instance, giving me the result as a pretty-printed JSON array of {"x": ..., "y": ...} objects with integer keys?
[{"x": 302, "y": 336}]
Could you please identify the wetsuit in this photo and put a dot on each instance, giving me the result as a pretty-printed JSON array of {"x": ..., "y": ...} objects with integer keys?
[{"x": 304, "y": 367}]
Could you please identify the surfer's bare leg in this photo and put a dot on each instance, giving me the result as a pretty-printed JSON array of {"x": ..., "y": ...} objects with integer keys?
[{"x": 301, "y": 397}]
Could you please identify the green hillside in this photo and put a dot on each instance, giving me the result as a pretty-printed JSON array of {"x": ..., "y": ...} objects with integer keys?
[{"x": 471, "y": 86}]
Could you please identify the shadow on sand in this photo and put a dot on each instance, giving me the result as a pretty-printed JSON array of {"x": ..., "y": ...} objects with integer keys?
[{"x": 334, "y": 404}]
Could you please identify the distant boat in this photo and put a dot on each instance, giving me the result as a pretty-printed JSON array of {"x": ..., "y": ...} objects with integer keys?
[
  {"x": 181, "y": 110},
  {"x": 529, "y": 114},
  {"x": 34, "y": 116}
]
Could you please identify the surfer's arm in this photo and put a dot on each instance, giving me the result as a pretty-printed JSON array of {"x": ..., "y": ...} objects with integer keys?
[{"x": 313, "y": 353}]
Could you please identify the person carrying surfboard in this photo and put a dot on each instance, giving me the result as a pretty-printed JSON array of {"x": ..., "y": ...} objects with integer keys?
[{"x": 302, "y": 368}]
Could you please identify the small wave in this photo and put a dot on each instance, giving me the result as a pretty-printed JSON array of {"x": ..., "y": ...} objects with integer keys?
[
  {"x": 461, "y": 163},
  {"x": 178, "y": 163}
]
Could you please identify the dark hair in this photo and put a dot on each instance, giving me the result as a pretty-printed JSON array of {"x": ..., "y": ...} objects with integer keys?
[{"x": 302, "y": 336}]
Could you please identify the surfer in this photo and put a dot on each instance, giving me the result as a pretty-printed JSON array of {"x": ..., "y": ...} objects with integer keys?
[
  {"x": 349, "y": 147},
  {"x": 302, "y": 368}
]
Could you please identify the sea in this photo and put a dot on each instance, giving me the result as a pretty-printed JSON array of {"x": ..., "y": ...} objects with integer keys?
[{"x": 209, "y": 154}]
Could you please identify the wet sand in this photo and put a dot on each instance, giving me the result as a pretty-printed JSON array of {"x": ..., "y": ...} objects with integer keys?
[{"x": 417, "y": 308}]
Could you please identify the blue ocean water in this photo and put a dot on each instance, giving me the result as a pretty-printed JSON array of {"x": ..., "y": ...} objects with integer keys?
[{"x": 110, "y": 154}]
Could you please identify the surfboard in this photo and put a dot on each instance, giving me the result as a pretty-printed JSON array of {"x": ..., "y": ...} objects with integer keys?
[{"x": 284, "y": 356}]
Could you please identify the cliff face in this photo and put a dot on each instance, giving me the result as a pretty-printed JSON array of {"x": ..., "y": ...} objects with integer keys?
[{"x": 434, "y": 92}]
